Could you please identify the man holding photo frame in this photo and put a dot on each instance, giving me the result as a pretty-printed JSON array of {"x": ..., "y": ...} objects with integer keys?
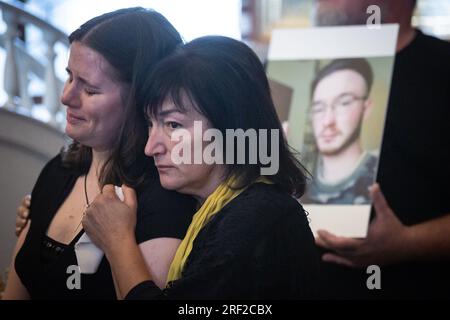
[{"x": 409, "y": 237}]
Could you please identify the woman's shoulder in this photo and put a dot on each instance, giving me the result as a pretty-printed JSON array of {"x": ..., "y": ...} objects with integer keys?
[
  {"x": 162, "y": 213},
  {"x": 153, "y": 195},
  {"x": 54, "y": 163},
  {"x": 53, "y": 171},
  {"x": 264, "y": 197},
  {"x": 50, "y": 184},
  {"x": 261, "y": 206},
  {"x": 261, "y": 213}
]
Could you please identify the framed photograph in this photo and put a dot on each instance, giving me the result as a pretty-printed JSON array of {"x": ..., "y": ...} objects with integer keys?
[{"x": 339, "y": 82}]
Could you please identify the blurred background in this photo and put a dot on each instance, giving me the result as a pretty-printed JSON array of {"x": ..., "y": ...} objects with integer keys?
[
  {"x": 33, "y": 57},
  {"x": 249, "y": 20}
]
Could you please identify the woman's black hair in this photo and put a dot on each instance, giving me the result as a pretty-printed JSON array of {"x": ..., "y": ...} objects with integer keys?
[
  {"x": 133, "y": 41},
  {"x": 225, "y": 81}
]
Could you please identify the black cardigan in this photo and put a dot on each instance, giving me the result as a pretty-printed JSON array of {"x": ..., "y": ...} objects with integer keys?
[{"x": 259, "y": 246}]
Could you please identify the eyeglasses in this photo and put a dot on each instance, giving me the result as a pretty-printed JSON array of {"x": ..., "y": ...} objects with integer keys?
[{"x": 340, "y": 105}]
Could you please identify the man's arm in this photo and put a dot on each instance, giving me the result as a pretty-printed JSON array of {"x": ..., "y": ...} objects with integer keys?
[
  {"x": 388, "y": 240},
  {"x": 430, "y": 240}
]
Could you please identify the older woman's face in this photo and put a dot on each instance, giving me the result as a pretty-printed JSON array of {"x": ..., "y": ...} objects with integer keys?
[
  {"x": 95, "y": 107},
  {"x": 196, "y": 179}
]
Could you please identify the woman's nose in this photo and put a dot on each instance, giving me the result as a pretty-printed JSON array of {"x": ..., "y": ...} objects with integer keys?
[
  {"x": 70, "y": 96},
  {"x": 155, "y": 142}
]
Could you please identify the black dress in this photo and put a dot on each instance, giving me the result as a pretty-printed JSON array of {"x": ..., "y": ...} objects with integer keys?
[
  {"x": 42, "y": 263},
  {"x": 259, "y": 246}
]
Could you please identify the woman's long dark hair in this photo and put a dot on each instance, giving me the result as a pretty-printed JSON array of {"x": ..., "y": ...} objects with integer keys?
[
  {"x": 133, "y": 41},
  {"x": 225, "y": 81}
]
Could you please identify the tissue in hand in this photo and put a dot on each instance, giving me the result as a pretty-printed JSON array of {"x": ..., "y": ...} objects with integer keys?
[{"x": 88, "y": 254}]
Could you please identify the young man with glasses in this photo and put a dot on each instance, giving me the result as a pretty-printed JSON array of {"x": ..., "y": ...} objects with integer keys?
[{"x": 340, "y": 103}]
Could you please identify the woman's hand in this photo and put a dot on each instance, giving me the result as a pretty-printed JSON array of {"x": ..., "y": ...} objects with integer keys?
[
  {"x": 22, "y": 214},
  {"x": 109, "y": 221}
]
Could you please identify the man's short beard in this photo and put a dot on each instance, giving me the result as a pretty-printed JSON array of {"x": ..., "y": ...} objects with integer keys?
[{"x": 352, "y": 139}]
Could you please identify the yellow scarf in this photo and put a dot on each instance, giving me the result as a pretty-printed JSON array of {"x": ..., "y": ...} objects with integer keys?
[{"x": 213, "y": 204}]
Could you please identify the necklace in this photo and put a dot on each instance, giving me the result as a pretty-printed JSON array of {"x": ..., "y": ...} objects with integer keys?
[
  {"x": 85, "y": 194},
  {"x": 87, "y": 202}
]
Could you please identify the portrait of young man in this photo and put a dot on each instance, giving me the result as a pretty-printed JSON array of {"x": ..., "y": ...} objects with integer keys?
[{"x": 340, "y": 103}]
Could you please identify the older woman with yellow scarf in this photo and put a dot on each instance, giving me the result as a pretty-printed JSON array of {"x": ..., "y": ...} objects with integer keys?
[{"x": 250, "y": 238}]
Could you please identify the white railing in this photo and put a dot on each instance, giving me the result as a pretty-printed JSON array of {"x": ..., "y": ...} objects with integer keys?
[{"x": 19, "y": 63}]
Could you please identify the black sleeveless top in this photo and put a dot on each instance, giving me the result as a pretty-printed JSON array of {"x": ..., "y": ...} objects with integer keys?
[{"x": 43, "y": 264}]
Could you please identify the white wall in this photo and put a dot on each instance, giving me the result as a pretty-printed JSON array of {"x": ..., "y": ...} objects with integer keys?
[{"x": 25, "y": 146}]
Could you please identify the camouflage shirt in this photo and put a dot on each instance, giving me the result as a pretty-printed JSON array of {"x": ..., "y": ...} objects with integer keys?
[{"x": 351, "y": 190}]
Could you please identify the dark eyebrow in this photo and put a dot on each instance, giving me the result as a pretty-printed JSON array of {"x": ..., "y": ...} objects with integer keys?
[
  {"x": 161, "y": 114},
  {"x": 83, "y": 80},
  {"x": 165, "y": 113}
]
